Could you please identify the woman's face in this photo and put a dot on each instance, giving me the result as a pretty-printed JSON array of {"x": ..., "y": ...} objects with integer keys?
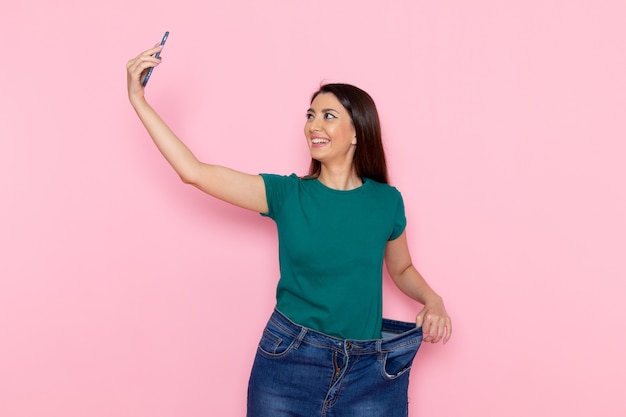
[{"x": 329, "y": 131}]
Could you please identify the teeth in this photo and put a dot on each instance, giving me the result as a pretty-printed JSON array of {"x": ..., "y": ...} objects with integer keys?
[{"x": 318, "y": 140}]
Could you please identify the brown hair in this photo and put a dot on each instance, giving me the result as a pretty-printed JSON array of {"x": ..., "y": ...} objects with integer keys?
[{"x": 369, "y": 157}]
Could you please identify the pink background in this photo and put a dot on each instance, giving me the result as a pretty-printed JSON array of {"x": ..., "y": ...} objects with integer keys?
[{"x": 125, "y": 293}]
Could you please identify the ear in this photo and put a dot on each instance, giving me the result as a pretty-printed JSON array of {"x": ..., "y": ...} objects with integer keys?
[{"x": 354, "y": 140}]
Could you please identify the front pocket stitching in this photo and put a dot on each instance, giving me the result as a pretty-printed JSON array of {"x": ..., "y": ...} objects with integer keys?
[
  {"x": 390, "y": 377},
  {"x": 277, "y": 341}
]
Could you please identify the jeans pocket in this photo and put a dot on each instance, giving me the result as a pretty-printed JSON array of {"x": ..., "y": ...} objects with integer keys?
[
  {"x": 274, "y": 343},
  {"x": 398, "y": 362}
]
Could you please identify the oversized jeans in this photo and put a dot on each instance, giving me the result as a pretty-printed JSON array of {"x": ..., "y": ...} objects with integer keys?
[{"x": 302, "y": 372}]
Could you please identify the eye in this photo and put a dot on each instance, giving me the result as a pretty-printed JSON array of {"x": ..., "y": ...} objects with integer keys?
[
  {"x": 329, "y": 116},
  {"x": 310, "y": 116}
]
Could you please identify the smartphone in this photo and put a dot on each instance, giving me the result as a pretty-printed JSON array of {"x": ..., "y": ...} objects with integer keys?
[{"x": 147, "y": 77}]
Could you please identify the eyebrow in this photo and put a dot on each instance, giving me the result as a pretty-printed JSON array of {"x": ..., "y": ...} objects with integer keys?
[{"x": 323, "y": 110}]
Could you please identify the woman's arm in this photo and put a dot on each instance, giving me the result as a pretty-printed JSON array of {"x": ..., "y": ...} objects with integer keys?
[
  {"x": 435, "y": 322},
  {"x": 238, "y": 188}
]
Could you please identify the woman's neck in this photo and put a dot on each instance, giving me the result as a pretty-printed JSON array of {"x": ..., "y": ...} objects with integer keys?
[{"x": 339, "y": 179}]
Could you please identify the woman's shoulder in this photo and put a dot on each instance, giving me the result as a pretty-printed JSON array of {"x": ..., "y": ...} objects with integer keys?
[
  {"x": 291, "y": 178},
  {"x": 379, "y": 187},
  {"x": 280, "y": 181}
]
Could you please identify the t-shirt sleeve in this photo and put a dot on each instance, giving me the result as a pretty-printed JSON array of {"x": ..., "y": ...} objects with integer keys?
[
  {"x": 277, "y": 188},
  {"x": 399, "y": 219}
]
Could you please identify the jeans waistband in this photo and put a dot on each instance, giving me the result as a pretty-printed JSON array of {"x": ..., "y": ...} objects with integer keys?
[{"x": 395, "y": 335}]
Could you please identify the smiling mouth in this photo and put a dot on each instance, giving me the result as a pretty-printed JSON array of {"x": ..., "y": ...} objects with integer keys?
[{"x": 317, "y": 141}]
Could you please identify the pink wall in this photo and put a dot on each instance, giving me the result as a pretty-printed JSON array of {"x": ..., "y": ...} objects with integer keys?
[{"x": 505, "y": 131}]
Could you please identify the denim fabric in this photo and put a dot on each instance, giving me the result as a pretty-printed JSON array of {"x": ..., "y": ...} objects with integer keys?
[{"x": 302, "y": 372}]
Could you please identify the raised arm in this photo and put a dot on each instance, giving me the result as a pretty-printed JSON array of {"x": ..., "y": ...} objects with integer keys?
[
  {"x": 238, "y": 188},
  {"x": 435, "y": 322}
]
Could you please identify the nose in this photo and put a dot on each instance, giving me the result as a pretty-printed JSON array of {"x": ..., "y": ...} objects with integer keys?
[{"x": 315, "y": 125}]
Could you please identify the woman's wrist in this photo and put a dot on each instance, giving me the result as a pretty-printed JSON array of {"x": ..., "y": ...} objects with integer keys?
[
  {"x": 432, "y": 299},
  {"x": 136, "y": 100}
]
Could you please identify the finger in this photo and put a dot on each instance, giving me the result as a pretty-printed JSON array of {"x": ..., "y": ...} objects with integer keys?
[
  {"x": 152, "y": 51},
  {"x": 145, "y": 55},
  {"x": 440, "y": 331},
  {"x": 419, "y": 319},
  {"x": 448, "y": 331},
  {"x": 427, "y": 328},
  {"x": 140, "y": 60},
  {"x": 135, "y": 69},
  {"x": 420, "y": 322}
]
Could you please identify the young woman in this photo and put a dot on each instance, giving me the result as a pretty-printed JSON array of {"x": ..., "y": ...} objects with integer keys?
[{"x": 326, "y": 350}]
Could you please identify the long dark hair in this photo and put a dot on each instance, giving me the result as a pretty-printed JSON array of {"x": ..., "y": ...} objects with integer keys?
[{"x": 369, "y": 157}]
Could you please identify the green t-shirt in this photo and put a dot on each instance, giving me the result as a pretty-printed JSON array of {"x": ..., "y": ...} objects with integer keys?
[{"x": 331, "y": 249}]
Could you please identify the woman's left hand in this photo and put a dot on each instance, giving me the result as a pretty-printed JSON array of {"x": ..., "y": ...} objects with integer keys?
[{"x": 435, "y": 322}]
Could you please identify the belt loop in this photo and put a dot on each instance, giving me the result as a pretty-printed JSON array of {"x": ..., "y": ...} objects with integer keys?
[
  {"x": 300, "y": 337},
  {"x": 379, "y": 345}
]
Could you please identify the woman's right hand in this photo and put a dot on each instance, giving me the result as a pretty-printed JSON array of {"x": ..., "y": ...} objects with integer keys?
[
  {"x": 234, "y": 187},
  {"x": 136, "y": 70}
]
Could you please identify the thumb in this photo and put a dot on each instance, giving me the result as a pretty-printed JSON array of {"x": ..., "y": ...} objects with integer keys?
[{"x": 419, "y": 320}]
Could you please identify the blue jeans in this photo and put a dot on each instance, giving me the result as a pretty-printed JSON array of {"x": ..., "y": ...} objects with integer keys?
[{"x": 302, "y": 372}]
